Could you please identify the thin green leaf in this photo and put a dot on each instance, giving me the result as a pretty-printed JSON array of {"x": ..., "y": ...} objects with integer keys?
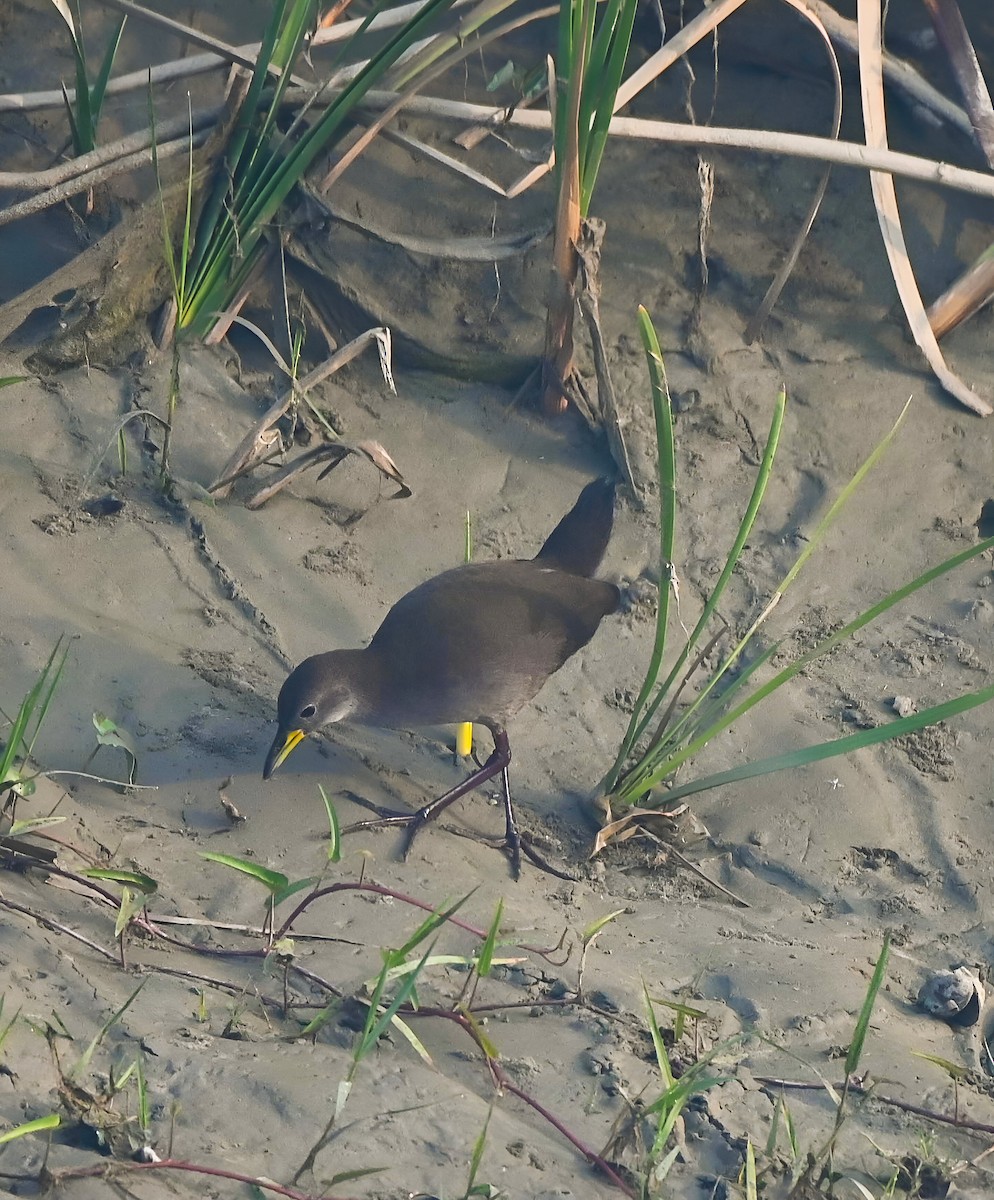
[
  {"x": 38, "y": 1125},
  {"x": 111, "y": 734},
  {"x": 84, "y": 1061},
  {"x": 479, "y": 1146},
  {"x": 100, "y": 86},
  {"x": 334, "y": 828},
  {"x": 144, "y": 1108},
  {"x": 144, "y": 883},
  {"x": 694, "y": 713},
  {"x": 412, "y": 1039},
  {"x": 953, "y": 1070},
  {"x": 658, "y": 1045},
  {"x": 292, "y": 889},
  {"x": 863, "y": 1024},
  {"x": 34, "y": 705},
  {"x": 29, "y": 825},
  {"x": 662, "y": 409},
  {"x": 485, "y": 1044},
  {"x": 844, "y": 745},
  {"x": 131, "y": 904},
  {"x": 378, "y": 1019},
  {"x": 317, "y": 1023},
  {"x": 484, "y": 962},
  {"x": 594, "y": 928},
  {"x": 275, "y": 881},
  {"x": 842, "y": 499},
  {"x": 751, "y": 1188}
]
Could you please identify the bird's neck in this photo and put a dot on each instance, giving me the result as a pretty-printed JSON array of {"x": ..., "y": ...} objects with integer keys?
[{"x": 362, "y": 673}]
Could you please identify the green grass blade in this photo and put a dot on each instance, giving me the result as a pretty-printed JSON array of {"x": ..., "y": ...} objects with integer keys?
[
  {"x": 274, "y": 881},
  {"x": 484, "y": 962},
  {"x": 38, "y": 1125},
  {"x": 662, "y": 409},
  {"x": 376, "y": 1020},
  {"x": 259, "y": 194},
  {"x": 99, "y": 88},
  {"x": 18, "y": 741},
  {"x": 656, "y": 774},
  {"x": 427, "y": 927},
  {"x": 603, "y": 78},
  {"x": 334, "y": 828},
  {"x": 863, "y": 1024},
  {"x": 84, "y": 1059},
  {"x": 71, "y": 118},
  {"x": 658, "y": 1045},
  {"x": 844, "y": 745},
  {"x": 84, "y": 115},
  {"x": 842, "y": 499},
  {"x": 711, "y": 605},
  {"x": 50, "y": 681},
  {"x": 214, "y": 215}
]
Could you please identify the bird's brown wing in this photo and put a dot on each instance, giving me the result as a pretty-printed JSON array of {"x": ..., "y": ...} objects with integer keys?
[{"x": 479, "y": 641}]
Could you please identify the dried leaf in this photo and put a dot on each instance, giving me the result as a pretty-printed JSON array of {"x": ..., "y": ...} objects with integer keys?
[{"x": 380, "y": 458}]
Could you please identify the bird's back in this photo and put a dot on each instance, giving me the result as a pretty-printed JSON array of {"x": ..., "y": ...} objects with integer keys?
[{"x": 479, "y": 641}]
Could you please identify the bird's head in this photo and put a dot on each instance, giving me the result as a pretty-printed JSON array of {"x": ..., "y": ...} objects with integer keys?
[{"x": 315, "y": 694}]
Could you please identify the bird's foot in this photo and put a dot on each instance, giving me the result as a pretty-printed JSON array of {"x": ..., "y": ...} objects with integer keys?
[
  {"x": 514, "y": 845},
  {"x": 386, "y": 818}
]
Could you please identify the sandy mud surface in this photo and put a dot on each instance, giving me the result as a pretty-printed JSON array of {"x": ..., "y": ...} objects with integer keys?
[{"x": 185, "y": 615}]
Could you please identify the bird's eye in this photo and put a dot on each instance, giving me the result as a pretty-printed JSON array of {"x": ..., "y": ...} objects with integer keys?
[{"x": 308, "y": 712}]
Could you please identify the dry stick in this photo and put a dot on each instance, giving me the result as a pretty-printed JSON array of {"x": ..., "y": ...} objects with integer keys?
[
  {"x": 885, "y": 201},
  {"x": 973, "y": 289},
  {"x": 222, "y": 50},
  {"x": 898, "y": 73},
  {"x": 758, "y": 319},
  {"x": 111, "y": 152},
  {"x": 56, "y": 927},
  {"x": 110, "y": 1170},
  {"x": 198, "y": 64},
  {"x": 964, "y": 297},
  {"x": 397, "y": 101},
  {"x": 90, "y": 179},
  {"x": 846, "y": 154},
  {"x": 764, "y": 141},
  {"x": 952, "y": 33},
  {"x": 803, "y": 1085}
]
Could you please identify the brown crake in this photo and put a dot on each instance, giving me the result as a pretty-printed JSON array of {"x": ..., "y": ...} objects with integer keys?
[{"x": 473, "y": 644}]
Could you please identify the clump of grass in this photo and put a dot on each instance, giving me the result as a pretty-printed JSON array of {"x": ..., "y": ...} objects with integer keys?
[
  {"x": 84, "y": 109},
  {"x": 661, "y": 736},
  {"x": 262, "y": 163},
  {"x": 16, "y": 774},
  {"x": 589, "y": 68}
]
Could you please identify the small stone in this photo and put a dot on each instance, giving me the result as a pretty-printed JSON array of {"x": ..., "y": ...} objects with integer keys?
[
  {"x": 904, "y": 706},
  {"x": 956, "y": 996}
]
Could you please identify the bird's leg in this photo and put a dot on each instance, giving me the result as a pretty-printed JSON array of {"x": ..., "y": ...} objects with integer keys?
[
  {"x": 416, "y": 821},
  {"x": 512, "y": 842}
]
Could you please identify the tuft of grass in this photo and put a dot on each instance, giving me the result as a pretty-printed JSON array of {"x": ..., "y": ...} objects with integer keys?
[
  {"x": 262, "y": 163},
  {"x": 84, "y": 110},
  {"x": 661, "y": 736},
  {"x": 15, "y": 771},
  {"x": 589, "y": 68}
]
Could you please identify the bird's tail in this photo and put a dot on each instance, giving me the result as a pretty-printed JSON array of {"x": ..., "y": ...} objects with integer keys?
[{"x": 578, "y": 542}]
